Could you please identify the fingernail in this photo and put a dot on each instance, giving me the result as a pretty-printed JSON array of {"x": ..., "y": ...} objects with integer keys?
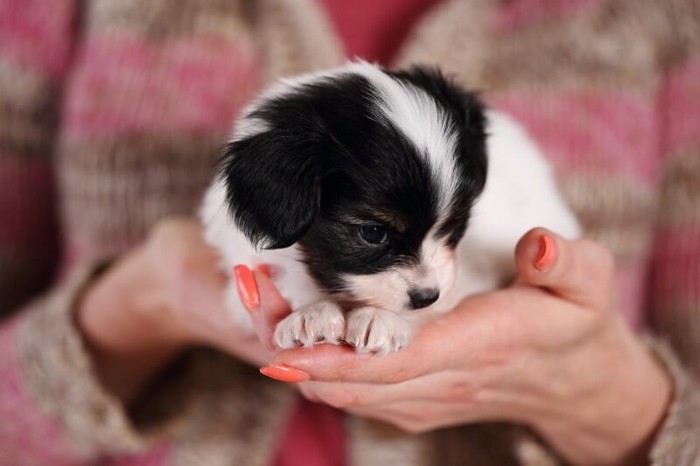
[
  {"x": 247, "y": 287},
  {"x": 547, "y": 253},
  {"x": 284, "y": 373}
]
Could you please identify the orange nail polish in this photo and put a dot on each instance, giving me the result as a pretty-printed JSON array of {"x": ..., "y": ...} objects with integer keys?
[
  {"x": 247, "y": 287},
  {"x": 547, "y": 253},
  {"x": 284, "y": 373}
]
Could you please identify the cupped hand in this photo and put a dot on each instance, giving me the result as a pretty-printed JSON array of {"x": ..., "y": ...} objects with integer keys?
[
  {"x": 158, "y": 299},
  {"x": 189, "y": 284},
  {"x": 550, "y": 351}
]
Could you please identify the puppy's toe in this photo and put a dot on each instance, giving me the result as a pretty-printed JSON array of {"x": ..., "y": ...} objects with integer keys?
[
  {"x": 322, "y": 322},
  {"x": 377, "y": 331}
]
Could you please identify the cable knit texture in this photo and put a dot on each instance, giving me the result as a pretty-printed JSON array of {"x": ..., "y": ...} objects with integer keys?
[{"x": 112, "y": 115}]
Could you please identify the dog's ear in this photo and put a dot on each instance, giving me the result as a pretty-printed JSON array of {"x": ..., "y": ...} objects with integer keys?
[{"x": 273, "y": 185}]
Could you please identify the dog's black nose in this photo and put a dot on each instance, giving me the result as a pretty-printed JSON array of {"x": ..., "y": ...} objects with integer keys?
[{"x": 423, "y": 297}]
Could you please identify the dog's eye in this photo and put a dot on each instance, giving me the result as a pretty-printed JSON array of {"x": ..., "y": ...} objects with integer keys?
[{"x": 373, "y": 234}]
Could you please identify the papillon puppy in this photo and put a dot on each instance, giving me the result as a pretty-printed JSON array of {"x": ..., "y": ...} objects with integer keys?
[{"x": 379, "y": 199}]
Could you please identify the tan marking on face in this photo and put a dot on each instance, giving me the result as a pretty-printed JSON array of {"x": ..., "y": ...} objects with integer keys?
[{"x": 391, "y": 219}]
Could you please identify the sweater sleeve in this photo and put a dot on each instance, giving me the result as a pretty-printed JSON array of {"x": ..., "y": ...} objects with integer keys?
[
  {"x": 146, "y": 100},
  {"x": 45, "y": 417},
  {"x": 675, "y": 281},
  {"x": 38, "y": 413},
  {"x": 36, "y": 43},
  {"x": 35, "y": 48}
]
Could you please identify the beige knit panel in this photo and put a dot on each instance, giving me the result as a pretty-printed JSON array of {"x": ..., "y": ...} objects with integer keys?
[
  {"x": 684, "y": 19},
  {"x": 680, "y": 194},
  {"x": 452, "y": 37},
  {"x": 28, "y": 112},
  {"x": 293, "y": 36},
  {"x": 217, "y": 411},
  {"x": 373, "y": 443},
  {"x": 618, "y": 44},
  {"x": 168, "y": 19},
  {"x": 476, "y": 445},
  {"x": 678, "y": 320},
  {"x": 617, "y": 212},
  {"x": 532, "y": 452},
  {"x": 678, "y": 316},
  {"x": 677, "y": 442},
  {"x": 59, "y": 378},
  {"x": 116, "y": 188},
  {"x": 234, "y": 416}
]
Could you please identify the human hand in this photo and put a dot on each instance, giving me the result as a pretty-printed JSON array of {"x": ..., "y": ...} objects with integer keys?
[
  {"x": 549, "y": 351},
  {"x": 160, "y": 298}
]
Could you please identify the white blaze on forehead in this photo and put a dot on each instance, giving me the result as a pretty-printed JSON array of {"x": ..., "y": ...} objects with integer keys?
[
  {"x": 418, "y": 116},
  {"x": 439, "y": 261}
]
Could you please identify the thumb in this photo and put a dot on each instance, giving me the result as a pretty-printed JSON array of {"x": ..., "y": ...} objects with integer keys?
[
  {"x": 268, "y": 306},
  {"x": 580, "y": 270}
]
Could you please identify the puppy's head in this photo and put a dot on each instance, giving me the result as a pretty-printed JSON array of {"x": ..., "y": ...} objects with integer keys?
[{"x": 372, "y": 173}]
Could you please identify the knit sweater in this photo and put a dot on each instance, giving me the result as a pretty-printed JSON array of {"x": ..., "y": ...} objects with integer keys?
[{"x": 112, "y": 113}]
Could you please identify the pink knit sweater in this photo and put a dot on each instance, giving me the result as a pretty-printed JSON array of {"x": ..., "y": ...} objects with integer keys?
[{"x": 111, "y": 116}]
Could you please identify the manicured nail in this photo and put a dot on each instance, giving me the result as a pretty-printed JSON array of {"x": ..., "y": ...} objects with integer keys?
[
  {"x": 247, "y": 287},
  {"x": 284, "y": 373},
  {"x": 547, "y": 253}
]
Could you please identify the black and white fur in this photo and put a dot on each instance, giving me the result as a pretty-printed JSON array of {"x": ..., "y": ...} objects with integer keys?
[{"x": 367, "y": 192}]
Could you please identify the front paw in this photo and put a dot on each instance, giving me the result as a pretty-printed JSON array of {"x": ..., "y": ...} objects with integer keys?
[
  {"x": 378, "y": 331},
  {"x": 322, "y": 322}
]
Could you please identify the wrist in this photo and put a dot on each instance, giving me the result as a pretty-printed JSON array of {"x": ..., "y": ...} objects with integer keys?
[
  {"x": 123, "y": 317},
  {"x": 615, "y": 423}
]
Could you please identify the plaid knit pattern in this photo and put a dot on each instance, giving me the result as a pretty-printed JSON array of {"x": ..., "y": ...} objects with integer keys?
[{"x": 112, "y": 113}]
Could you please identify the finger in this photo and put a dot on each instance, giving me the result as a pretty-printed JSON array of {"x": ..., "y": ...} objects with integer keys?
[
  {"x": 263, "y": 301},
  {"x": 196, "y": 299},
  {"x": 272, "y": 303},
  {"x": 324, "y": 362},
  {"x": 579, "y": 270},
  {"x": 273, "y": 308},
  {"x": 337, "y": 394},
  {"x": 448, "y": 386},
  {"x": 250, "y": 349},
  {"x": 483, "y": 329},
  {"x": 218, "y": 329},
  {"x": 354, "y": 395},
  {"x": 344, "y": 363},
  {"x": 222, "y": 332}
]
